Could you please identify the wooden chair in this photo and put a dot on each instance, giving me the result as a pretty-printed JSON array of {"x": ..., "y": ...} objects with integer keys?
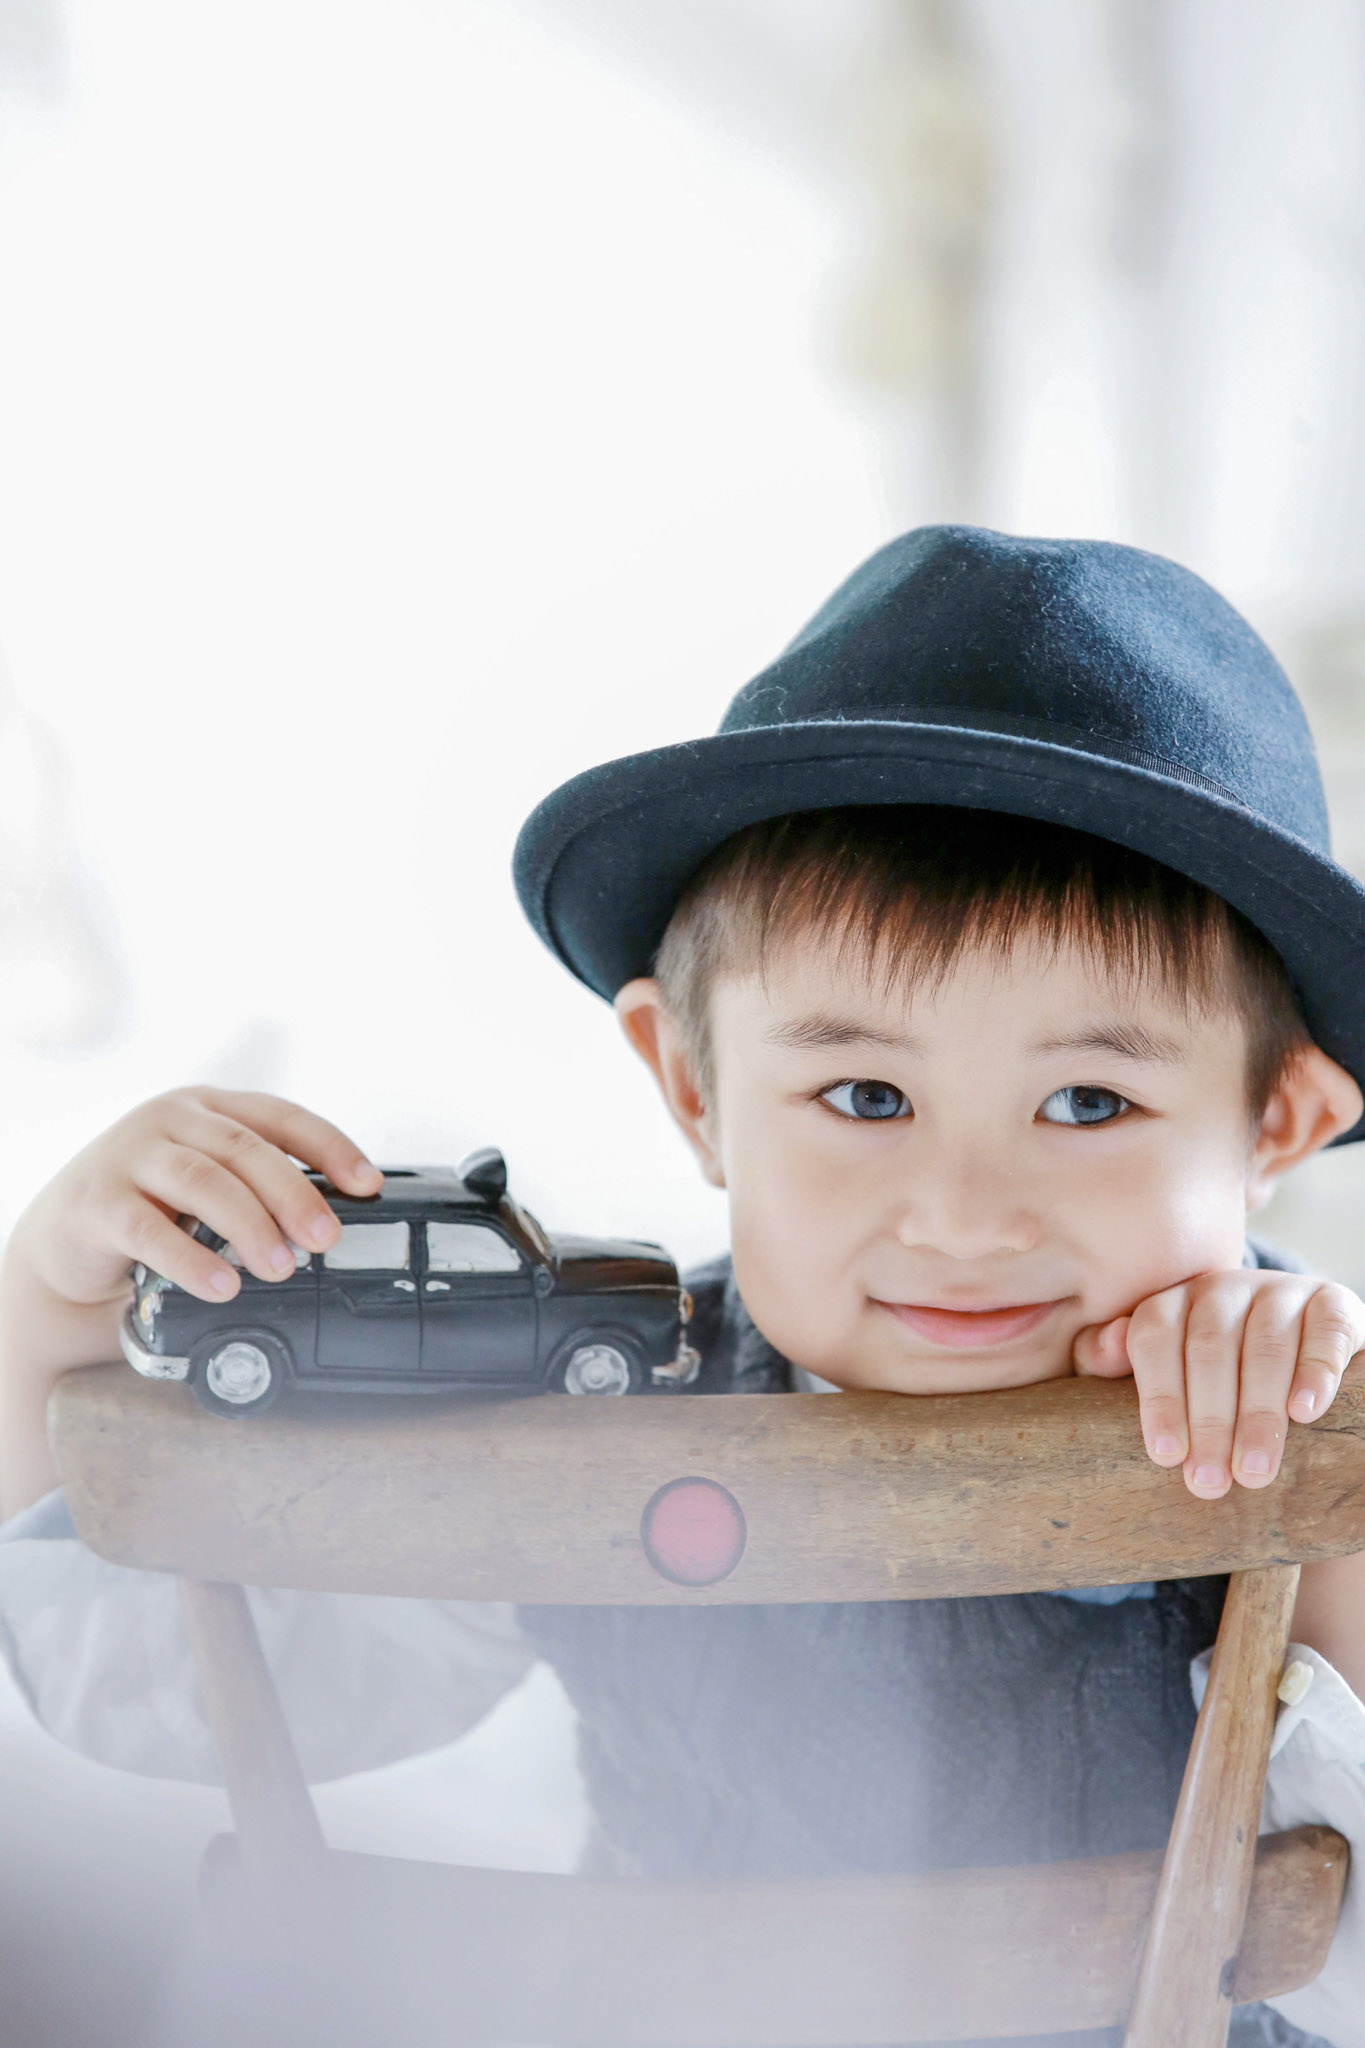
[{"x": 751, "y": 1499}]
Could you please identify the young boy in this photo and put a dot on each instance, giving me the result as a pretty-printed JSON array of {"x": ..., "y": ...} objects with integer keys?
[{"x": 992, "y": 959}]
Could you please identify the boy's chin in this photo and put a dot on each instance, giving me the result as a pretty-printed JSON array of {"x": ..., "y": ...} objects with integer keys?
[{"x": 975, "y": 1372}]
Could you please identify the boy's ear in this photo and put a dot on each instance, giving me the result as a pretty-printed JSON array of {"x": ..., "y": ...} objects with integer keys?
[
  {"x": 653, "y": 1030},
  {"x": 1314, "y": 1102}
]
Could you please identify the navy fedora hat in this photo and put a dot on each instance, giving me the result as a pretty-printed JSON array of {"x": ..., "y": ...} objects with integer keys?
[{"x": 1077, "y": 682}]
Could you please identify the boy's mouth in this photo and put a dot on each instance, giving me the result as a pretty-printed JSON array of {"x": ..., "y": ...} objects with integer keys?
[{"x": 964, "y": 1328}]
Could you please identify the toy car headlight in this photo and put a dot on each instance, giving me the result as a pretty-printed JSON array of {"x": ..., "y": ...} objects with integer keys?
[
  {"x": 684, "y": 1306},
  {"x": 149, "y": 1300}
]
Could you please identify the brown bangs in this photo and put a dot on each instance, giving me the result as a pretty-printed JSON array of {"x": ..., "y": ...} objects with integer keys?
[{"x": 897, "y": 893}]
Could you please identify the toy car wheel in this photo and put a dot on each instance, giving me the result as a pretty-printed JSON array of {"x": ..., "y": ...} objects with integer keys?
[
  {"x": 602, "y": 1366},
  {"x": 237, "y": 1375}
]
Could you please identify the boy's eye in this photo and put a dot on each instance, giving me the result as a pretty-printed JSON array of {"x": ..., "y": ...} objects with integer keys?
[
  {"x": 1083, "y": 1106},
  {"x": 867, "y": 1100}
]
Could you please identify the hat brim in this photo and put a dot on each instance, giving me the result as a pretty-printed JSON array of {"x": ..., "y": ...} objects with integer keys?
[{"x": 601, "y": 863}]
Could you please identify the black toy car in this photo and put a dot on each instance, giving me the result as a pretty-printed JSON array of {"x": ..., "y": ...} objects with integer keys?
[{"x": 440, "y": 1280}]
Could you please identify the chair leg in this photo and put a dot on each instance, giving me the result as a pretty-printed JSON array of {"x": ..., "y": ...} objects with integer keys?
[
  {"x": 277, "y": 1823},
  {"x": 1185, "y": 1986}
]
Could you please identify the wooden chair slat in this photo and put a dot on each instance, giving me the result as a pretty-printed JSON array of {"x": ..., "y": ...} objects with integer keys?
[
  {"x": 1188, "y": 1979},
  {"x": 277, "y": 1822},
  {"x": 952, "y": 1955},
  {"x": 859, "y": 1497}
]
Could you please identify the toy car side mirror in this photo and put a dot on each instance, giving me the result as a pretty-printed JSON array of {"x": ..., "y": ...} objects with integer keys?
[{"x": 484, "y": 1173}]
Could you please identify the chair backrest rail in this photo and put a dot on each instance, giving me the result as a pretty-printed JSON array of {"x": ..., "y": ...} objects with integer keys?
[
  {"x": 943, "y": 1955},
  {"x": 680, "y": 1499}
]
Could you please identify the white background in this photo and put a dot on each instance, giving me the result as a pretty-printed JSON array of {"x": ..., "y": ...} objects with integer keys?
[{"x": 399, "y": 410}]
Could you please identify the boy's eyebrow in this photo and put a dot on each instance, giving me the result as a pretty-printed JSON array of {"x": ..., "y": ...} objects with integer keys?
[
  {"x": 821, "y": 1029},
  {"x": 1129, "y": 1041}
]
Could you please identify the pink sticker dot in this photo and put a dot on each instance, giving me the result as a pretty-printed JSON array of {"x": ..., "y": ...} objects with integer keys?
[{"x": 693, "y": 1531}]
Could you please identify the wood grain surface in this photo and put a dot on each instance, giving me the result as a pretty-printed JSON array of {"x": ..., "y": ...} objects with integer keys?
[
  {"x": 438, "y": 1952},
  {"x": 847, "y": 1497}
]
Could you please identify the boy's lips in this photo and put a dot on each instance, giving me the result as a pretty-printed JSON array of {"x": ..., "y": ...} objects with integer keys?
[{"x": 964, "y": 1328}]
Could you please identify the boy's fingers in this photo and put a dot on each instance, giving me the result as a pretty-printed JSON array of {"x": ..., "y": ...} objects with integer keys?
[
  {"x": 1213, "y": 1362},
  {"x": 190, "y": 1183},
  {"x": 143, "y": 1232},
  {"x": 1270, "y": 1346},
  {"x": 1156, "y": 1346},
  {"x": 1332, "y": 1333},
  {"x": 298, "y": 1207},
  {"x": 1101, "y": 1351},
  {"x": 298, "y": 1131},
  {"x": 258, "y": 1151}
]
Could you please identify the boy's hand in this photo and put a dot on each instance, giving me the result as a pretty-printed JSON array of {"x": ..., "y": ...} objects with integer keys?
[
  {"x": 1223, "y": 1362},
  {"x": 211, "y": 1153},
  {"x": 207, "y": 1152}
]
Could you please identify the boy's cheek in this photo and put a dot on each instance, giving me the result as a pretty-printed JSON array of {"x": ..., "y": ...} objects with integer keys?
[
  {"x": 794, "y": 1282},
  {"x": 1187, "y": 1245},
  {"x": 1135, "y": 1235}
]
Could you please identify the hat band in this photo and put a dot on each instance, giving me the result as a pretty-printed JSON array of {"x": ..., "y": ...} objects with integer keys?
[{"x": 1021, "y": 725}]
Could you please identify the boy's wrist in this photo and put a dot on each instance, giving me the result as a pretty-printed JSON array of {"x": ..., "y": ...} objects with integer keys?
[
  {"x": 45, "y": 1331},
  {"x": 43, "y": 1335}
]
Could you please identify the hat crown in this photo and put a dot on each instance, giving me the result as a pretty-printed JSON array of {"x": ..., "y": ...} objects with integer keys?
[
  {"x": 1083, "y": 643},
  {"x": 1079, "y": 683}
]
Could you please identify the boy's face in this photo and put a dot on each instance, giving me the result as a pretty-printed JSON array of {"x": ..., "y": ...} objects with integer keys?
[{"x": 935, "y": 1192}]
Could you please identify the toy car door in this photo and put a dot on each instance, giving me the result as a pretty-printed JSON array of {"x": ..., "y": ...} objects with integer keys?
[
  {"x": 479, "y": 1307},
  {"x": 369, "y": 1319}
]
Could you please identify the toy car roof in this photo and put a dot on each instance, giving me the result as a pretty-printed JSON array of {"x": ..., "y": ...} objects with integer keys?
[{"x": 428, "y": 1187}]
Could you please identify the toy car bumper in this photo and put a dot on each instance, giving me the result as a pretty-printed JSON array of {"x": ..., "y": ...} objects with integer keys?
[
  {"x": 681, "y": 1371},
  {"x": 153, "y": 1365}
]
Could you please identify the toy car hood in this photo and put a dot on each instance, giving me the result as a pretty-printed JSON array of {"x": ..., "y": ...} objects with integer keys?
[{"x": 627, "y": 1262}]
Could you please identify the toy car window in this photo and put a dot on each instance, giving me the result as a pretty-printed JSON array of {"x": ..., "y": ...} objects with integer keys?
[
  {"x": 369, "y": 1248},
  {"x": 469, "y": 1248}
]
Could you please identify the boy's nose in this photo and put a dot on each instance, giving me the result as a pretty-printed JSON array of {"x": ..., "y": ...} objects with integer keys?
[{"x": 966, "y": 1212}]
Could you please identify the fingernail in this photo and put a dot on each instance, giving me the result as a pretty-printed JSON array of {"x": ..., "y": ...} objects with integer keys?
[
  {"x": 1167, "y": 1447},
  {"x": 1256, "y": 1461},
  {"x": 320, "y": 1233},
  {"x": 1208, "y": 1475},
  {"x": 1304, "y": 1404},
  {"x": 366, "y": 1170},
  {"x": 281, "y": 1260},
  {"x": 220, "y": 1283}
]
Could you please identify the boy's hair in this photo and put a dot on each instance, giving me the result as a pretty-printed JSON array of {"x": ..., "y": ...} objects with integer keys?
[{"x": 899, "y": 891}]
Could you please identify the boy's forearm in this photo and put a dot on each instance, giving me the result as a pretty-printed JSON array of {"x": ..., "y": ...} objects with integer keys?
[
  {"x": 1330, "y": 1615},
  {"x": 42, "y": 1336}
]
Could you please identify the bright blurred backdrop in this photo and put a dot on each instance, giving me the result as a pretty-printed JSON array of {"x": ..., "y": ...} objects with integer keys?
[{"x": 405, "y": 406}]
